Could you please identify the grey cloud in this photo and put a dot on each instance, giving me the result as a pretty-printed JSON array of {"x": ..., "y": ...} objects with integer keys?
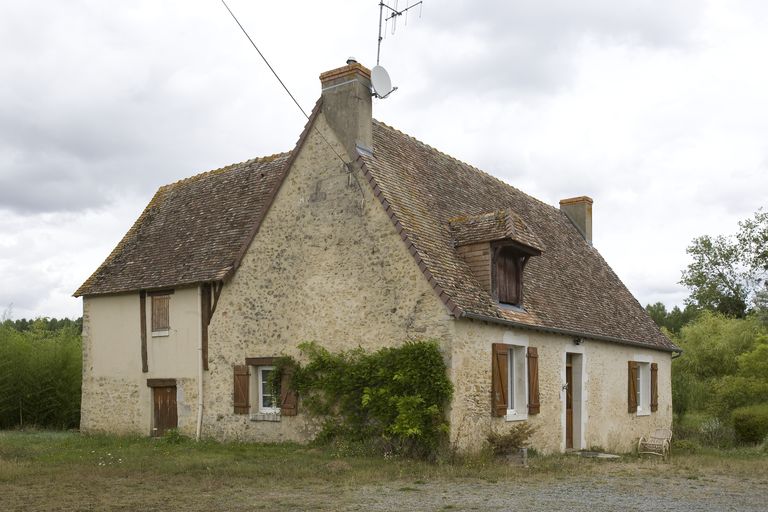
[{"x": 529, "y": 46}]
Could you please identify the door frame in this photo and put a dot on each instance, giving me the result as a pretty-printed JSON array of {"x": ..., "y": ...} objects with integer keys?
[{"x": 578, "y": 396}]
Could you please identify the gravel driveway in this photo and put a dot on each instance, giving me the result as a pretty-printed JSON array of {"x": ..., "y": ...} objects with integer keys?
[{"x": 624, "y": 493}]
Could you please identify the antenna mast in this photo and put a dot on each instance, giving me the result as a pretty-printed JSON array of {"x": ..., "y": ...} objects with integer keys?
[{"x": 393, "y": 13}]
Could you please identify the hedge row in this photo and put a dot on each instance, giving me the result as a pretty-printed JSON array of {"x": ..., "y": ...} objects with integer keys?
[{"x": 40, "y": 377}]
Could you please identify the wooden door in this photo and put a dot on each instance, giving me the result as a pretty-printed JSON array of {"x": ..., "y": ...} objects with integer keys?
[
  {"x": 568, "y": 401},
  {"x": 164, "y": 418}
]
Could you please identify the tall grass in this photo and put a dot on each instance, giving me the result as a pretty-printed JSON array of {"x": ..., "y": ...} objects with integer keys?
[{"x": 40, "y": 376}]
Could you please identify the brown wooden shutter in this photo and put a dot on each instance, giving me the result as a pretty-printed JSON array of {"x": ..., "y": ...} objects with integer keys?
[
  {"x": 240, "y": 392},
  {"x": 289, "y": 399},
  {"x": 654, "y": 387},
  {"x": 160, "y": 316},
  {"x": 499, "y": 379},
  {"x": 533, "y": 381},
  {"x": 632, "y": 387}
]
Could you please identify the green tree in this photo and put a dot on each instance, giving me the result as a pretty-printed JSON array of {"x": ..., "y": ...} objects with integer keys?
[
  {"x": 673, "y": 320},
  {"x": 728, "y": 273}
]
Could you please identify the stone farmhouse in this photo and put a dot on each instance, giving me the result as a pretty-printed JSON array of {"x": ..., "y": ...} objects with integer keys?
[{"x": 362, "y": 236}]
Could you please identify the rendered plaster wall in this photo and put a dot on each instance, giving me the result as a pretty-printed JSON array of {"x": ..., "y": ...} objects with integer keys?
[
  {"x": 602, "y": 392},
  {"x": 115, "y": 393},
  {"x": 327, "y": 266}
]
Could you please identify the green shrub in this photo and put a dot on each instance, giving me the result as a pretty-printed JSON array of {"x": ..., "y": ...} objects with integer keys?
[
  {"x": 715, "y": 433},
  {"x": 512, "y": 441},
  {"x": 391, "y": 401},
  {"x": 751, "y": 423},
  {"x": 686, "y": 446},
  {"x": 40, "y": 376}
]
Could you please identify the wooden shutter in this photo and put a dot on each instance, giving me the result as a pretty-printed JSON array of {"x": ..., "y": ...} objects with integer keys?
[
  {"x": 632, "y": 387},
  {"x": 289, "y": 399},
  {"x": 654, "y": 387},
  {"x": 533, "y": 381},
  {"x": 240, "y": 392},
  {"x": 509, "y": 272},
  {"x": 499, "y": 379},
  {"x": 160, "y": 316}
]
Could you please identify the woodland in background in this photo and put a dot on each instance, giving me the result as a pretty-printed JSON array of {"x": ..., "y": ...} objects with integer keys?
[
  {"x": 720, "y": 384},
  {"x": 40, "y": 373}
]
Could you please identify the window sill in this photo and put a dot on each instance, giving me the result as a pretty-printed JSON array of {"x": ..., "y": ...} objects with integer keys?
[
  {"x": 517, "y": 308},
  {"x": 643, "y": 413},
  {"x": 265, "y": 416},
  {"x": 160, "y": 334},
  {"x": 514, "y": 416}
]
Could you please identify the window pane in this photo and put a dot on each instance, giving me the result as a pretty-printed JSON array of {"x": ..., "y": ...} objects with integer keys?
[{"x": 267, "y": 399}]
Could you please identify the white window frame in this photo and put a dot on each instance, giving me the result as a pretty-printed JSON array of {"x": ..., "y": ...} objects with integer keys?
[
  {"x": 257, "y": 411},
  {"x": 260, "y": 382},
  {"x": 517, "y": 383},
  {"x": 643, "y": 388}
]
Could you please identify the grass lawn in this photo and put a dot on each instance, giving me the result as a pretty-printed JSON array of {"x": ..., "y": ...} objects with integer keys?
[{"x": 68, "y": 471}]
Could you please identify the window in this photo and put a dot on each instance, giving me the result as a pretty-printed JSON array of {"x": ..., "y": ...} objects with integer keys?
[
  {"x": 514, "y": 381},
  {"x": 643, "y": 388},
  {"x": 268, "y": 394},
  {"x": 508, "y": 264},
  {"x": 516, "y": 402},
  {"x": 161, "y": 321},
  {"x": 255, "y": 394}
]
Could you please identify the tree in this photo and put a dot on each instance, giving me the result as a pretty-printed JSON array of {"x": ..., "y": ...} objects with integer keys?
[
  {"x": 673, "y": 320},
  {"x": 728, "y": 273}
]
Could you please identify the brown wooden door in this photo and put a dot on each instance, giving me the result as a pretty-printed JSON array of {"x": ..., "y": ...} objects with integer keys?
[
  {"x": 164, "y": 418},
  {"x": 568, "y": 401}
]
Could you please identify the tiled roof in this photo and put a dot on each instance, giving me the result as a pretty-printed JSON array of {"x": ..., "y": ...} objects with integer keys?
[
  {"x": 569, "y": 288},
  {"x": 497, "y": 225},
  {"x": 196, "y": 230},
  {"x": 192, "y": 231}
]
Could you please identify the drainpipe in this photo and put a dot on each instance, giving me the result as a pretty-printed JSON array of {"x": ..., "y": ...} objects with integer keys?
[{"x": 199, "y": 429}]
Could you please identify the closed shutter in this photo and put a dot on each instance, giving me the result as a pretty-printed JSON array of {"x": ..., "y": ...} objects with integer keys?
[
  {"x": 289, "y": 399},
  {"x": 499, "y": 379},
  {"x": 654, "y": 387},
  {"x": 508, "y": 277},
  {"x": 160, "y": 316},
  {"x": 240, "y": 391},
  {"x": 533, "y": 381},
  {"x": 632, "y": 387}
]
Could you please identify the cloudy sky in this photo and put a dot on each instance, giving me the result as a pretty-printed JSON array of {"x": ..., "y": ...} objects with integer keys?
[{"x": 658, "y": 110}]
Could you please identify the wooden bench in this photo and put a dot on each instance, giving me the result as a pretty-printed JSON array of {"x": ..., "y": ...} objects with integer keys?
[{"x": 658, "y": 443}]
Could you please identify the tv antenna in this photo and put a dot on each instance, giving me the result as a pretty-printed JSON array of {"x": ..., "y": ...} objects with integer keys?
[
  {"x": 382, "y": 84},
  {"x": 393, "y": 14}
]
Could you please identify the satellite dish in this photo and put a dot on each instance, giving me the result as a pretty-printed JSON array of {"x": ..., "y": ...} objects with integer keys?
[{"x": 382, "y": 85}]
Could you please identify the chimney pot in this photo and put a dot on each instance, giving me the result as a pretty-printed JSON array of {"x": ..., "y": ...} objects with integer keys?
[
  {"x": 351, "y": 60},
  {"x": 579, "y": 211}
]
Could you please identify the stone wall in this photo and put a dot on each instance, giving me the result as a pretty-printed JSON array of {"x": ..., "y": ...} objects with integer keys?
[
  {"x": 602, "y": 391},
  {"x": 326, "y": 265}
]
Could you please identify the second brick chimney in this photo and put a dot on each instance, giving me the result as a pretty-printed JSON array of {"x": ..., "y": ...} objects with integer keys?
[
  {"x": 579, "y": 211},
  {"x": 346, "y": 93}
]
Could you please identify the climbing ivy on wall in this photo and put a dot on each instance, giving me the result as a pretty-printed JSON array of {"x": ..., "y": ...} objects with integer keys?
[{"x": 392, "y": 400}]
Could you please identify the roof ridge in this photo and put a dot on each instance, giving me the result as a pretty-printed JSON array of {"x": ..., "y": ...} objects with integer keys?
[
  {"x": 205, "y": 174},
  {"x": 463, "y": 163}
]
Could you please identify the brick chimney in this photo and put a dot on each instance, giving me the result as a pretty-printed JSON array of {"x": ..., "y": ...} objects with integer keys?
[
  {"x": 346, "y": 93},
  {"x": 579, "y": 211}
]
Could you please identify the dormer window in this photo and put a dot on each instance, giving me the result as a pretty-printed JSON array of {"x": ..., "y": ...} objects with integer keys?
[
  {"x": 508, "y": 264},
  {"x": 496, "y": 247}
]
